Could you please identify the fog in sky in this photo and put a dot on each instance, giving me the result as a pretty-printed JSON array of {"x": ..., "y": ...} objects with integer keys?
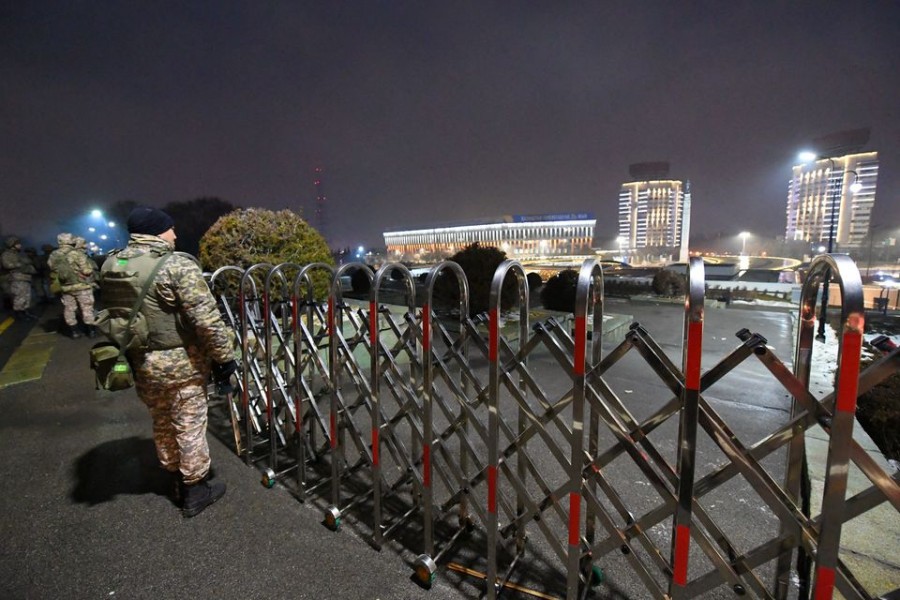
[{"x": 430, "y": 113}]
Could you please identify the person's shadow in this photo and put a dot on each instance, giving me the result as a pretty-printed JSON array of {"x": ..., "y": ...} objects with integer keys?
[{"x": 126, "y": 466}]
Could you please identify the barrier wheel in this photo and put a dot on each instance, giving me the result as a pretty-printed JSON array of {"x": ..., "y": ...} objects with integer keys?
[
  {"x": 426, "y": 570},
  {"x": 268, "y": 478},
  {"x": 597, "y": 576},
  {"x": 333, "y": 518}
]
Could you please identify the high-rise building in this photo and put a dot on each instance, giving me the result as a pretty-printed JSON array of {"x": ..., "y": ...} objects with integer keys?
[
  {"x": 832, "y": 199},
  {"x": 654, "y": 215}
]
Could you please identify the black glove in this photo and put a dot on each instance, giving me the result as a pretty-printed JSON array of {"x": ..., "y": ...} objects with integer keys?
[{"x": 222, "y": 373}]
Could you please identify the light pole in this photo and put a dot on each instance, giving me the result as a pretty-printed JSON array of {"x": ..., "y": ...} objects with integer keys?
[{"x": 831, "y": 197}]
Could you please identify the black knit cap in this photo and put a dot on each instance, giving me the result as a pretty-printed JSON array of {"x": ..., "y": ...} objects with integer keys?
[{"x": 149, "y": 220}]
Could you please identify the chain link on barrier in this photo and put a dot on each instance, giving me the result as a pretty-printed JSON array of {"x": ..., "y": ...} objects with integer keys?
[{"x": 518, "y": 433}]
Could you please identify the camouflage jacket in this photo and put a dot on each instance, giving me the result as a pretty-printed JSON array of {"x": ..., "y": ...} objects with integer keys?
[
  {"x": 179, "y": 284},
  {"x": 16, "y": 265},
  {"x": 73, "y": 269}
]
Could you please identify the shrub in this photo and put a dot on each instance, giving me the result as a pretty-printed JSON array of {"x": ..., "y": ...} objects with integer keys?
[
  {"x": 479, "y": 264},
  {"x": 559, "y": 291},
  {"x": 249, "y": 236},
  {"x": 668, "y": 283},
  {"x": 534, "y": 281},
  {"x": 359, "y": 281}
]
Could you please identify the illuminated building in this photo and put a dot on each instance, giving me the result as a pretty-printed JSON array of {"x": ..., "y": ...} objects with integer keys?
[
  {"x": 832, "y": 198},
  {"x": 520, "y": 236},
  {"x": 654, "y": 215}
]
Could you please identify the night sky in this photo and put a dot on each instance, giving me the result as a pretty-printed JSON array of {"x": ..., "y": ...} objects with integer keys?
[{"x": 426, "y": 113}]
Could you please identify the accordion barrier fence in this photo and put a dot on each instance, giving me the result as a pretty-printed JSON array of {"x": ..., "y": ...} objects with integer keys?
[{"x": 432, "y": 427}]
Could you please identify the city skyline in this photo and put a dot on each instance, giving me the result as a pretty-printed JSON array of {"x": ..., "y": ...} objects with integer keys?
[{"x": 435, "y": 113}]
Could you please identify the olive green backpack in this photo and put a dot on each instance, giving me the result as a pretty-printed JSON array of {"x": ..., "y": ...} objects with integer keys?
[{"x": 126, "y": 329}]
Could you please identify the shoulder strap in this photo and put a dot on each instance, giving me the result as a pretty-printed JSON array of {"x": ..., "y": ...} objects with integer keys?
[{"x": 140, "y": 299}]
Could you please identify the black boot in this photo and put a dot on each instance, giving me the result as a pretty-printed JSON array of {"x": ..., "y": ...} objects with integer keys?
[
  {"x": 200, "y": 495},
  {"x": 23, "y": 315},
  {"x": 91, "y": 331},
  {"x": 176, "y": 486},
  {"x": 72, "y": 331}
]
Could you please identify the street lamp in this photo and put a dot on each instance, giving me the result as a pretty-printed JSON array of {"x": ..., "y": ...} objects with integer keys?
[{"x": 808, "y": 157}]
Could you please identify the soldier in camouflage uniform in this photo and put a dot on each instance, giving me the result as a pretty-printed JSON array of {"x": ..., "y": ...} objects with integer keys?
[
  {"x": 75, "y": 273},
  {"x": 45, "y": 272},
  {"x": 185, "y": 333},
  {"x": 17, "y": 269}
]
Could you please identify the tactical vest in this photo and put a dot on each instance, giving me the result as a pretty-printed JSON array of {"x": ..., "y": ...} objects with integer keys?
[{"x": 121, "y": 280}]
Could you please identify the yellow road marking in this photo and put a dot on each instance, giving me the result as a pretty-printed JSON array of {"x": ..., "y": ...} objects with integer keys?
[
  {"x": 5, "y": 324},
  {"x": 27, "y": 363}
]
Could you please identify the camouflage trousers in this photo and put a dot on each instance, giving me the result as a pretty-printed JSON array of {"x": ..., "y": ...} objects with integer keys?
[
  {"x": 20, "y": 292},
  {"x": 179, "y": 427},
  {"x": 83, "y": 299}
]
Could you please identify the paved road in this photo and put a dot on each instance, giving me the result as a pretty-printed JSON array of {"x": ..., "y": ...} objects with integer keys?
[{"x": 86, "y": 514}]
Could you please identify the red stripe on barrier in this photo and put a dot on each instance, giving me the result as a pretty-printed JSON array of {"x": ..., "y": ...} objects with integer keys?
[
  {"x": 849, "y": 372},
  {"x": 426, "y": 328},
  {"x": 492, "y": 489},
  {"x": 574, "y": 518},
  {"x": 330, "y": 315},
  {"x": 694, "y": 353},
  {"x": 682, "y": 546},
  {"x": 493, "y": 334},
  {"x": 333, "y": 429},
  {"x": 375, "y": 446},
  {"x": 580, "y": 343},
  {"x": 426, "y": 465},
  {"x": 294, "y": 310},
  {"x": 824, "y": 583},
  {"x": 373, "y": 322}
]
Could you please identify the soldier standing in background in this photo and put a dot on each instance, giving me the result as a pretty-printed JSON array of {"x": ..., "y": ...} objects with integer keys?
[
  {"x": 44, "y": 271},
  {"x": 81, "y": 246},
  {"x": 185, "y": 333},
  {"x": 74, "y": 271},
  {"x": 37, "y": 287},
  {"x": 18, "y": 271}
]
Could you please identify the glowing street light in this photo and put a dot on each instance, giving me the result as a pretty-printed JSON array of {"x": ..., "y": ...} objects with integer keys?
[{"x": 744, "y": 235}]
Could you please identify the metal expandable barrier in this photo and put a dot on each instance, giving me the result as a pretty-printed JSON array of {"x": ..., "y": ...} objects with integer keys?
[{"x": 521, "y": 431}]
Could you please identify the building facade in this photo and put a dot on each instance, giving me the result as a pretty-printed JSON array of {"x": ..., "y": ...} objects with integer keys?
[
  {"x": 832, "y": 199},
  {"x": 654, "y": 215},
  {"x": 520, "y": 236}
]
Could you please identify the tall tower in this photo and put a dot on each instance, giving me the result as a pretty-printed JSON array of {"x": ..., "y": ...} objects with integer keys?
[
  {"x": 321, "y": 220},
  {"x": 654, "y": 214},
  {"x": 831, "y": 197}
]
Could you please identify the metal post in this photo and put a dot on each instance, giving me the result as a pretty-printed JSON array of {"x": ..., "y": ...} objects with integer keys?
[
  {"x": 822, "y": 315},
  {"x": 687, "y": 428}
]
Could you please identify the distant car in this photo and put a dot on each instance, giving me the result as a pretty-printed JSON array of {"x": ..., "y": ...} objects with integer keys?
[{"x": 881, "y": 277}]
